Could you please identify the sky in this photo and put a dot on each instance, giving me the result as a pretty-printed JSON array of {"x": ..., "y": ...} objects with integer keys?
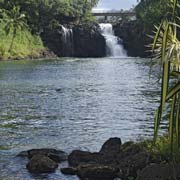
[{"x": 115, "y": 4}]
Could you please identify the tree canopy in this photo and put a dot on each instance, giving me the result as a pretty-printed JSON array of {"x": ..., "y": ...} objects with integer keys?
[
  {"x": 151, "y": 12},
  {"x": 43, "y": 13}
]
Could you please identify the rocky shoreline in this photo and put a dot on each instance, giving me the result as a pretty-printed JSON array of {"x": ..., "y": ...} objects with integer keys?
[
  {"x": 86, "y": 40},
  {"x": 128, "y": 161}
]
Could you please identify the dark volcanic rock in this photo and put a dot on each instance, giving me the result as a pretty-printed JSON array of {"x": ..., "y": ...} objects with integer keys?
[
  {"x": 127, "y": 158},
  {"x": 69, "y": 171},
  {"x": 130, "y": 165},
  {"x": 79, "y": 41},
  {"x": 96, "y": 172},
  {"x": 55, "y": 155},
  {"x": 82, "y": 157},
  {"x": 88, "y": 41},
  {"x": 131, "y": 159},
  {"x": 41, "y": 164},
  {"x": 111, "y": 146},
  {"x": 160, "y": 172},
  {"x": 134, "y": 38}
]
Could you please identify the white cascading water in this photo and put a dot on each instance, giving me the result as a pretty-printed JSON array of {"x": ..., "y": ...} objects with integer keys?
[
  {"x": 114, "y": 48},
  {"x": 68, "y": 41}
]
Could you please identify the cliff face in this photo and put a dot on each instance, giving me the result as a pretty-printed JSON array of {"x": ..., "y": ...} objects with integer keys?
[
  {"x": 88, "y": 41},
  {"x": 76, "y": 41},
  {"x": 134, "y": 38}
]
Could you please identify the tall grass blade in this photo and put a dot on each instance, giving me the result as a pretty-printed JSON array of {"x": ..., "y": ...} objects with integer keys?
[
  {"x": 157, "y": 122},
  {"x": 175, "y": 89},
  {"x": 174, "y": 8},
  {"x": 171, "y": 122},
  {"x": 164, "y": 41},
  {"x": 156, "y": 37},
  {"x": 178, "y": 123},
  {"x": 165, "y": 83}
]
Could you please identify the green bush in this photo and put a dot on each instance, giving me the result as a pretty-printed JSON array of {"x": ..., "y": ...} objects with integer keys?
[{"x": 25, "y": 44}]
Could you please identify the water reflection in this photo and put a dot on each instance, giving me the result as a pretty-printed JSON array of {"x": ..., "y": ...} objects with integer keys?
[{"x": 72, "y": 104}]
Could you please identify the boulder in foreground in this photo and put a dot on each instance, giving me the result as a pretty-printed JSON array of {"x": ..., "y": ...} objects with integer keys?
[
  {"x": 55, "y": 155},
  {"x": 96, "y": 172},
  {"x": 41, "y": 164}
]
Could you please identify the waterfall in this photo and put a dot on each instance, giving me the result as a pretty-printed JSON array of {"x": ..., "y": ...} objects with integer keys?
[
  {"x": 68, "y": 41},
  {"x": 114, "y": 45}
]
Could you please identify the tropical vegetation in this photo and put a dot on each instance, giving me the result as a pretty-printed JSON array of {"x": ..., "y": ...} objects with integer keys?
[
  {"x": 19, "y": 17},
  {"x": 166, "y": 48}
]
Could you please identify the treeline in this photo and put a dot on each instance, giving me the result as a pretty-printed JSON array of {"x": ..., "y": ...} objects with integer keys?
[
  {"x": 151, "y": 12},
  {"x": 42, "y": 14},
  {"x": 25, "y": 20}
]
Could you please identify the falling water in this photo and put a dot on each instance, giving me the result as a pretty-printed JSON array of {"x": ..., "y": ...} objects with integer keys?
[
  {"x": 68, "y": 41},
  {"x": 114, "y": 45}
]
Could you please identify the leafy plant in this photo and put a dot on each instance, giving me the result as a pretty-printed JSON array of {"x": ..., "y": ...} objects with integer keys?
[
  {"x": 166, "y": 48},
  {"x": 14, "y": 21}
]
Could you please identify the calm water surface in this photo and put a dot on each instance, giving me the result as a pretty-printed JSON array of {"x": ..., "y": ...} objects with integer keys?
[{"x": 71, "y": 104}]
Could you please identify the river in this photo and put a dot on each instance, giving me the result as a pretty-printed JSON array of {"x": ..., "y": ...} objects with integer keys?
[{"x": 72, "y": 103}]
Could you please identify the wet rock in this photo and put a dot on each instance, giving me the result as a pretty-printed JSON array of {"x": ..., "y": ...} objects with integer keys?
[
  {"x": 96, "y": 172},
  {"x": 160, "y": 172},
  {"x": 78, "y": 157},
  {"x": 131, "y": 149},
  {"x": 69, "y": 171},
  {"x": 127, "y": 159},
  {"x": 111, "y": 146},
  {"x": 131, "y": 164},
  {"x": 41, "y": 164},
  {"x": 55, "y": 155}
]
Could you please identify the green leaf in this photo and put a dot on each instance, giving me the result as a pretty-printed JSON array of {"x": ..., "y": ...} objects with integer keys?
[
  {"x": 174, "y": 7},
  {"x": 171, "y": 122},
  {"x": 165, "y": 83},
  {"x": 157, "y": 122},
  {"x": 156, "y": 36},
  {"x": 164, "y": 41},
  {"x": 178, "y": 123},
  {"x": 173, "y": 91},
  {"x": 175, "y": 74}
]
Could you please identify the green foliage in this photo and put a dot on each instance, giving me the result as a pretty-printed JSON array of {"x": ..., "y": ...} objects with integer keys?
[
  {"x": 166, "y": 48},
  {"x": 14, "y": 21},
  {"x": 163, "y": 148},
  {"x": 152, "y": 12},
  {"x": 20, "y": 18},
  {"x": 42, "y": 13},
  {"x": 25, "y": 44}
]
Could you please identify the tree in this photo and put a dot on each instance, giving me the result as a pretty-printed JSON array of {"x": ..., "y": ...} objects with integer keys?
[
  {"x": 40, "y": 14},
  {"x": 14, "y": 21},
  {"x": 150, "y": 12},
  {"x": 166, "y": 48}
]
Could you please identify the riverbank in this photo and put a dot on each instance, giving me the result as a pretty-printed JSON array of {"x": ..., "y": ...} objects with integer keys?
[
  {"x": 84, "y": 40},
  {"x": 114, "y": 160},
  {"x": 39, "y": 55},
  {"x": 24, "y": 45}
]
